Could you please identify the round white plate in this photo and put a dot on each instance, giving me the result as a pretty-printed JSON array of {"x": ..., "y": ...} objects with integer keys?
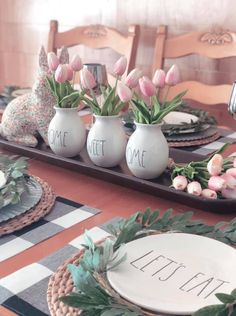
[
  {"x": 179, "y": 118},
  {"x": 175, "y": 273}
]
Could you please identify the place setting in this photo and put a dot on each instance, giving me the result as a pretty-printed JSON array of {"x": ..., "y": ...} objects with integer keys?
[{"x": 30, "y": 212}]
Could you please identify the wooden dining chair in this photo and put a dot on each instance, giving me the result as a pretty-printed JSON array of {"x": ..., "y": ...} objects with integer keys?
[
  {"x": 97, "y": 37},
  {"x": 216, "y": 45}
]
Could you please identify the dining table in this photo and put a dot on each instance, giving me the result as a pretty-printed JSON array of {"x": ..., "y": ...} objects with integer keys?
[{"x": 112, "y": 199}]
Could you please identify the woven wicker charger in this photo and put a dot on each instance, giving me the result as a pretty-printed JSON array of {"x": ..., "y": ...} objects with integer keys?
[
  {"x": 195, "y": 142},
  {"x": 61, "y": 284},
  {"x": 43, "y": 207}
]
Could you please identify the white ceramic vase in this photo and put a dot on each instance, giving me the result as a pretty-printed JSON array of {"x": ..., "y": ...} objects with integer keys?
[
  {"x": 66, "y": 132},
  {"x": 106, "y": 141},
  {"x": 147, "y": 151}
]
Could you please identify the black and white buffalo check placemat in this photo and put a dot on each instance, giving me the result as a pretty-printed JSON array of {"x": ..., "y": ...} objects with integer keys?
[
  {"x": 25, "y": 291},
  {"x": 227, "y": 136},
  {"x": 65, "y": 213}
]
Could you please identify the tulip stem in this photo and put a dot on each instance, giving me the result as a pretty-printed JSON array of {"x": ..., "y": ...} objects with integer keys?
[{"x": 166, "y": 95}]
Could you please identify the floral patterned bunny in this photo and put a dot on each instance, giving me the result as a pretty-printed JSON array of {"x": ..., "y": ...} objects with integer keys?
[{"x": 29, "y": 115}]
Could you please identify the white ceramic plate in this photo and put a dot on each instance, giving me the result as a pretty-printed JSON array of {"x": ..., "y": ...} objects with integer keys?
[
  {"x": 179, "y": 118},
  {"x": 175, "y": 273}
]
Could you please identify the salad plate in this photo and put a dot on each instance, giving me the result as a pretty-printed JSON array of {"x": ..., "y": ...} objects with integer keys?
[{"x": 174, "y": 273}]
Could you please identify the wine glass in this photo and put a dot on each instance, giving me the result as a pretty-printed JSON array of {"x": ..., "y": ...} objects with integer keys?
[
  {"x": 100, "y": 75},
  {"x": 232, "y": 102}
]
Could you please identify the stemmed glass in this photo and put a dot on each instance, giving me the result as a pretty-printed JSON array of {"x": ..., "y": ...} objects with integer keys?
[
  {"x": 100, "y": 75},
  {"x": 232, "y": 102}
]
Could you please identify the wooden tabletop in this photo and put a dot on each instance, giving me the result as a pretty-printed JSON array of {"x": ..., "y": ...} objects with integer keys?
[{"x": 113, "y": 200}]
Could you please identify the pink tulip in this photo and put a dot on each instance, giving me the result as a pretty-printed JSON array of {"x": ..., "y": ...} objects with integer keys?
[
  {"x": 120, "y": 66},
  {"x": 132, "y": 79},
  {"x": 232, "y": 172},
  {"x": 124, "y": 92},
  {"x": 214, "y": 166},
  {"x": 172, "y": 76},
  {"x": 194, "y": 188},
  {"x": 209, "y": 194},
  {"x": 53, "y": 61},
  {"x": 229, "y": 180},
  {"x": 234, "y": 162},
  {"x": 70, "y": 72},
  {"x": 61, "y": 73},
  {"x": 180, "y": 182},
  {"x": 159, "y": 78},
  {"x": 229, "y": 193},
  {"x": 216, "y": 183},
  {"x": 87, "y": 79},
  {"x": 147, "y": 87},
  {"x": 76, "y": 63}
]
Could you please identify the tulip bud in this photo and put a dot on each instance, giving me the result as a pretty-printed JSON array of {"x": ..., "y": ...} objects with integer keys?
[
  {"x": 76, "y": 63},
  {"x": 180, "y": 182},
  {"x": 3, "y": 179},
  {"x": 70, "y": 72},
  {"x": 232, "y": 172},
  {"x": 234, "y": 162},
  {"x": 120, "y": 66},
  {"x": 216, "y": 183},
  {"x": 172, "y": 76},
  {"x": 194, "y": 188},
  {"x": 209, "y": 194},
  {"x": 132, "y": 79},
  {"x": 147, "y": 87},
  {"x": 87, "y": 79},
  {"x": 125, "y": 108},
  {"x": 124, "y": 93},
  {"x": 53, "y": 61},
  {"x": 159, "y": 78},
  {"x": 214, "y": 166},
  {"x": 229, "y": 180},
  {"x": 61, "y": 73},
  {"x": 229, "y": 193}
]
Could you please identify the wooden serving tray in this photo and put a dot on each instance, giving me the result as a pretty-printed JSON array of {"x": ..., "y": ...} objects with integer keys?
[{"x": 122, "y": 176}]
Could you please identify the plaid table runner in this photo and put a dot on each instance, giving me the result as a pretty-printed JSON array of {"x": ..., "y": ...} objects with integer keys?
[
  {"x": 65, "y": 213},
  {"x": 227, "y": 136},
  {"x": 25, "y": 290}
]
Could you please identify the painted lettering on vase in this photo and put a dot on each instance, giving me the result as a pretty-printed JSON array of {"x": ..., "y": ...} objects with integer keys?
[
  {"x": 96, "y": 147},
  {"x": 165, "y": 269},
  {"x": 136, "y": 157},
  {"x": 57, "y": 138}
]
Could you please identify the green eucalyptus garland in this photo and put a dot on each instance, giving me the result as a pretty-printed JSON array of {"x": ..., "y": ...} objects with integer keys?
[
  {"x": 94, "y": 296},
  {"x": 14, "y": 179}
]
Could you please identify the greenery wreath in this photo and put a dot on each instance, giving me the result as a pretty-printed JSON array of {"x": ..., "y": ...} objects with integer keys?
[
  {"x": 13, "y": 179},
  {"x": 93, "y": 295}
]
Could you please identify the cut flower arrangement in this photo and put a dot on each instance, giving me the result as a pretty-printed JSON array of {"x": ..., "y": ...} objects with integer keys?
[
  {"x": 61, "y": 80},
  {"x": 116, "y": 99},
  {"x": 113, "y": 99},
  {"x": 152, "y": 111},
  {"x": 212, "y": 178}
]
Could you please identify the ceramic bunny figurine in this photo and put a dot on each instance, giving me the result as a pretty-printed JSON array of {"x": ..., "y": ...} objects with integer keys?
[{"x": 30, "y": 114}]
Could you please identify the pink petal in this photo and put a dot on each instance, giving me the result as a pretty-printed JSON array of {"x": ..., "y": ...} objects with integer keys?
[
  {"x": 120, "y": 66},
  {"x": 180, "y": 182},
  {"x": 147, "y": 87},
  {"x": 172, "y": 76},
  {"x": 209, "y": 194},
  {"x": 214, "y": 166},
  {"x": 124, "y": 92},
  {"x": 159, "y": 78},
  {"x": 133, "y": 77},
  {"x": 194, "y": 188},
  {"x": 216, "y": 183}
]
